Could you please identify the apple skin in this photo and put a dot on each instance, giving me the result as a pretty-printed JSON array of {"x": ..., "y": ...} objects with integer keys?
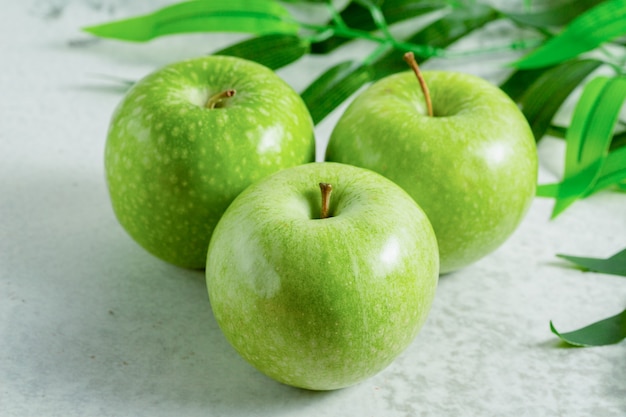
[
  {"x": 173, "y": 166},
  {"x": 472, "y": 167},
  {"x": 319, "y": 303}
]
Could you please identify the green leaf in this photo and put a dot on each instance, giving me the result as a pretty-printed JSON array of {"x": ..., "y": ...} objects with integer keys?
[
  {"x": 456, "y": 24},
  {"x": 358, "y": 17},
  {"x": 399, "y": 10},
  {"x": 520, "y": 81},
  {"x": 619, "y": 140},
  {"x": 614, "y": 265},
  {"x": 541, "y": 92},
  {"x": 604, "y": 332},
  {"x": 556, "y": 16},
  {"x": 598, "y": 25},
  {"x": 587, "y": 140},
  {"x": 274, "y": 50},
  {"x": 613, "y": 171},
  {"x": 439, "y": 34},
  {"x": 333, "y": 87},
  {"x": 248, "y": 16}
]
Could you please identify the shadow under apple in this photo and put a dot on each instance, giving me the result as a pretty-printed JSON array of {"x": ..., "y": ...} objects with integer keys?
[{"x": 95, "y": 319}]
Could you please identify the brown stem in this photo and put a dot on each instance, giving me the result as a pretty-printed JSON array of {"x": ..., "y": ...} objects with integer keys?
[
  {"x": 216, "y": 99},
  {"x": 409, "y": 57},
  {"x": 326, "y": 189}
]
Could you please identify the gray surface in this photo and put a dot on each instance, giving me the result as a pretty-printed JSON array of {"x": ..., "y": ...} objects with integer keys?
[{"x": 91, "y": 325}]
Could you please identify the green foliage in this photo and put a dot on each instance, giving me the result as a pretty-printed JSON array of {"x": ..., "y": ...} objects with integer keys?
[
  {"x": 287, "y": 49},
  {"x": 589, "y": 166},
  {"x": 439, "y": 34},
  {"x": 334, "y": 86},
  {"x": 607, "y": 331},
  {"x": 555, "y": 17},
  {"x": 601, "y": 24},
  {"x": 249, "y": 16},
  {"x": 540, "y": 83},
  {"x": 541, "y": 92},
  {"x": 357, "y": 16},
  {"x": 544, "y": 78}
]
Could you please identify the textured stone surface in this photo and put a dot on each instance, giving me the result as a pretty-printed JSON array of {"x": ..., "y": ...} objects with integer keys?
[{"x": 92, "y": 325}]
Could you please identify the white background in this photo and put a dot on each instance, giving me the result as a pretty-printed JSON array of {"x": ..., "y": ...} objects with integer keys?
[{"x": 92, "y": 325}]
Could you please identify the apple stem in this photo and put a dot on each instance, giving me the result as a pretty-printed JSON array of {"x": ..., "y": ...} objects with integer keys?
[
  {"x": 216, "y": 99},
  {"x": 409, "y": 57},
  {"x": 326, "y": 189}
]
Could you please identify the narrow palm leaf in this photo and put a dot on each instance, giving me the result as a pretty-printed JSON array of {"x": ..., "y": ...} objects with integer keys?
[
  {"x": 598, "y": 25},
  {"x": 613, "y": 171},
  {"x": 541, "y": 93},
  {"x": 557, "y": 16},
  {"x": 274, "y": 50},
  {"x": 247, "y": 16},
  {"x": 588, "y": 139},
  {"x": 333, "y": 87}
]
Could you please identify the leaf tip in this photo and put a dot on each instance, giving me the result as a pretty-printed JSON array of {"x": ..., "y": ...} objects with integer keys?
[{"x": 553, "y": 329}]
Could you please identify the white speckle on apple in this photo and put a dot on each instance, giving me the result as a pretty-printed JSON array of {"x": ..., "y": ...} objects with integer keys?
[
  {"x": 195, "y": 96},
  {"x": 141, "y": 133},
  {"x": 265, "y": 284},
  {"x": 270, "y": 140},
  {"x": 222, "y": 120},
  {"x": 390, "y": 253},
  {"x": 497, "y": 153}
]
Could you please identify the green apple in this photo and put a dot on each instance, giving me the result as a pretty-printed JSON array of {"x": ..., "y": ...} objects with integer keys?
[
  {"x": 319, "y": 290},
  {"x": 188, "y": 138},
  {"x": 472, "y": 166}
]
